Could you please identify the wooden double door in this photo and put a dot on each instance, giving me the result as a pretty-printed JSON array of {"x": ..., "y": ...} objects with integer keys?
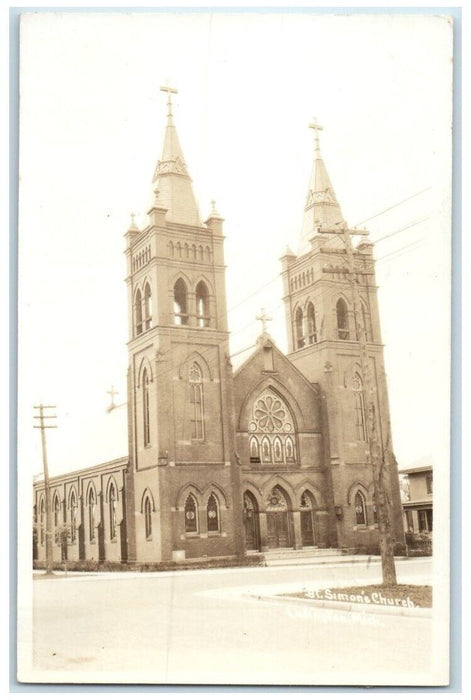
[{"x": 278, "y": 530}]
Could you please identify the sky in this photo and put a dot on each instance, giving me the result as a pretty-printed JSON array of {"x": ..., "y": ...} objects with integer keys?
[{"x": 92, "y": 120}]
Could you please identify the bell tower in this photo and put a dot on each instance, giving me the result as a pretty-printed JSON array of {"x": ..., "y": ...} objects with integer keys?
[
  {"x": 325, "y": 318},
  {"x": 184, "y": 482}
]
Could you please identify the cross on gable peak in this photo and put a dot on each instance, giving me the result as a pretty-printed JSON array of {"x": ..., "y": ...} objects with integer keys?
[{"x": 264, "y": 318}]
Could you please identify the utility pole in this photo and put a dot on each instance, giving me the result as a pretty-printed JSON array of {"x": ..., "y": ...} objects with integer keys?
[
  {"x": 375, "y": 456},
  {"x": 43, "y": 427}
]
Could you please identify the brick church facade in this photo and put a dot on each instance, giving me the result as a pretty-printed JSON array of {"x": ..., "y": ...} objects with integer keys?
[{"x": 224, "y": 462}]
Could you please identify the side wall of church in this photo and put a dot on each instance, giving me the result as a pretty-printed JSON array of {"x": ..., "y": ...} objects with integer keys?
[{"x": 88, "y": 515}]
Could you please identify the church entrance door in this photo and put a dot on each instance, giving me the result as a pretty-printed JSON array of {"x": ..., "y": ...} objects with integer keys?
[
  {"x": 252, "y": 538},
  {"x": 277, "y": 530},
  {"x": 278, "y": 521},
  {"x": 307, "y": 531}
]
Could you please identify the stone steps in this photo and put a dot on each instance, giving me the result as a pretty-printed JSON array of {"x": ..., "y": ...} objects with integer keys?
[{"x": 305, "y": 553}]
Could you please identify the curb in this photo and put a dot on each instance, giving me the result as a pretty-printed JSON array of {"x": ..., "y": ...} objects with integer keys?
[{"x": 369, "y": 608}]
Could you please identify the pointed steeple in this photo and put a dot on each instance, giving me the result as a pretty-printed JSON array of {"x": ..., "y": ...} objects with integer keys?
[
  {"x": 322, "y": 208},
  {"x": 171, "y": 176}
]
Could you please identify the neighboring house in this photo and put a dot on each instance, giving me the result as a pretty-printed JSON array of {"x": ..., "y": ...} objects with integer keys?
[
  {"x": 273, "y": 455},
  {"x": 418, "y": 510}
]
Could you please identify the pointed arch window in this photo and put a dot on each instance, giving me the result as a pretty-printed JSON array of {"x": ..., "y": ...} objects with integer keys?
[
  {"x": 42, "y": 515},
  {"x": 186, "y": 252},
  {"x": 201, "y": 253},
  {"x": 145, "y": 408},
  {"x": 202, "y": 305},
  {"x": 277, "y": 450},
  {"x": 73, "y": 517},
  {"x": 311, "y": 324},
  {"x": 360, "y": 408},
  {"x": 148, "y": 517},
  {"x": 299, "y": 331},
  {"x": 91, "y": 515},
  {"x": 195, "y": 379},
  {"x": 56, "y": 508},
  {"x": 360, "y": 509},
  {"x": 271, "y": 430},
  {"x": 138, "y": 312},
  {"x": 212, "y": 514},
  {"x": 180, "y": 303},
  {"x": 254, "y": 450},
  {"x": 342, "y": 320},
  {"x": 112, "y": 498},
  {"x": 178, "y": 249},
  {"x": 147, "y": 307},
  {"x": 191, "y": 515}
]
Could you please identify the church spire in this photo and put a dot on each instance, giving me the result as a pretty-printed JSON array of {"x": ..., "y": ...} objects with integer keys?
[
  {"x": 171, "y": 175},
  {"x": 322, "y": 208}
]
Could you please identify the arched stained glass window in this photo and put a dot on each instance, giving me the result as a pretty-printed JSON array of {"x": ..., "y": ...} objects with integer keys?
[
  {"x": 342, "y": 320},
  {"x": 254, "y": 450},
  {"x": 148, "y": 517},
  {"x": 277, "y": 450},
  {"x": 196, "y": 400},
  {"x": 138, "y": 312},
  {"x": 311, "y": 324},
  {"x": 73, "y": 517},
  {"x": 360, "y": 409},
  {"x": 191, "y": 514},
  {"x": 360, "y": 509},
  {"x": 212, "y": 514},
  {"x": 266, "y": 450},
  {"x": 299, "y": 331},
  {"x": 112, "y": 511},
  {"x": 42, "y": 515},
  {"x": 271, "y": 430},
  {"x": 145, "y": 408},
  {"x": 202, "y": 305},
  {"x": 91, "y": 515},
  {"x": 147, "y": 307},
  {"x": 56, "y": 510},
  {"x": 180, "y": 303}
]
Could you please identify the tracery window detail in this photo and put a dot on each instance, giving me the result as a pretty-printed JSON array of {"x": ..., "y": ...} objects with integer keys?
[
  {"x": 191, "y": 514},
  {"x": 360, "y": 509},
  {"x": 196, "y": 400},
  {"x": 271, "y": 431},
  {"x": 212, "y": 514}
]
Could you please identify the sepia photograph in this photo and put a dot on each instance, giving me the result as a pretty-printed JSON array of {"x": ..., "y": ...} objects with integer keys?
[{"x": 234, "y": 333}]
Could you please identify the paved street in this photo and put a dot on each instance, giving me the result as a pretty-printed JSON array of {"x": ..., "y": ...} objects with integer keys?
[{"x": 202, "y": 627}]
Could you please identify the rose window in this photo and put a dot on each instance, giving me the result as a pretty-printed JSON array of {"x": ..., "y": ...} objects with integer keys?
[{"x": 271, "y": 431}]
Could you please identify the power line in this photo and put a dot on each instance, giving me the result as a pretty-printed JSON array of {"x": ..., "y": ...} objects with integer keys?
[{"x": 393, "y": 206}]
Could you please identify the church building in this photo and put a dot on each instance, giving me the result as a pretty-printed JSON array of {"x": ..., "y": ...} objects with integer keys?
[{"x": 222, "y": 463}]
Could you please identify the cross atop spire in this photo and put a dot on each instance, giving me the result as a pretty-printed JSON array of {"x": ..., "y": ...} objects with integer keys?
[
  {"x": 264, "y": 318},
  {"x": 170, "y": 91},
  {"x": 314, "y": 125}
]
